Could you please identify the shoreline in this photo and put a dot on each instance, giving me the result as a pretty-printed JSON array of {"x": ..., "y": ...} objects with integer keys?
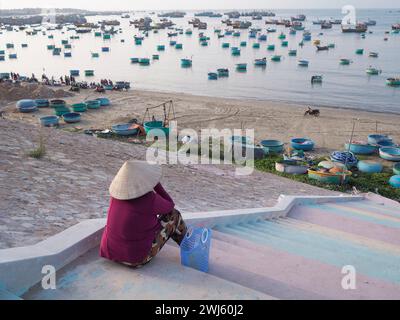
[{"x": 270, "y": 119}]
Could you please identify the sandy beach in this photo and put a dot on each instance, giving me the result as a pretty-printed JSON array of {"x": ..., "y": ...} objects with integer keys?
[{"x": 269, "y": 119}]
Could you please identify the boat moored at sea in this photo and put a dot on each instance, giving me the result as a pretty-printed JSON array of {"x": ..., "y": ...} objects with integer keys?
[
  {"x": 212, "y": 76},
  {"x": 345, "y": 61},
  {"x": 186, "y": 62},
  {"x": 393, "y": 82},
  {"x": 303, "y": 63},
  {"x": 316, "y": 79},
  {"x": 223, "y": 72},
  {"x": 373, "y": 71},
  {"x": 241, "y": 66},
  {"x": 260, "y": 62}
]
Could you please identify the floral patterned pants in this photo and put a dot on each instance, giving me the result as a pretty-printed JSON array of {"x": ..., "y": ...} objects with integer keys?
[{"x": 173, "y": 227}]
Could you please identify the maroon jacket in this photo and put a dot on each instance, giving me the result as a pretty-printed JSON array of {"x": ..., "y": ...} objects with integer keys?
[{"x": 133, "y": 224}]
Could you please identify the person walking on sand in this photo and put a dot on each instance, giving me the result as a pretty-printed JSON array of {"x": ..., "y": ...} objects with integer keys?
[{"x": 141, "y": 216}]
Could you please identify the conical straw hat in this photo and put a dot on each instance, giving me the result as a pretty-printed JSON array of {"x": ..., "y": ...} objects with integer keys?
[{"x": 135, "y": 179}]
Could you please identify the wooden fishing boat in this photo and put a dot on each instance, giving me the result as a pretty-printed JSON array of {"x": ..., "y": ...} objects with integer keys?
[
  {"x": 345, "y": 61},
  {"x": 186, "y": 62},
  {"x": 212, "y": 76},
  {"x": 303, "y": 63},
  {"x": 276, "y": 58},
  {"x": 89, "y": 73},
  {"x": 241, "y": 66},
  {"x": 316, "y": 79},
  {"x": 156, "y": 57},
  {"x": 394, "y": 82},
  {"x": 360, "y": 51},
  {"x": 144, "y": 61},
  {"x": 322, "y": 48},
  {"x": 160, "y": 47},
  {"x": 223, "y": 72},
  {"x": 179, "y": 46},
  {"x": 225, "y": 45},
  {"x": 374, "y": 54},
  {"x": 271, "y": 47},
  {"x": 260, "y": 62},
  {"x": 134, "y": 60},
  {"x": 256, "y": 45},
  {"x": 331, "y": 45},
  {"x": 262, "y": 37},
  {"x": 373, "y": 71},
  {"x": 243, "y": 44},
  {"x": 284, "y": 43}
]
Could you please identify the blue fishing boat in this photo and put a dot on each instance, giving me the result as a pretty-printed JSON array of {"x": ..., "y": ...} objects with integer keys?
[
  {"x": 186, "y": 63},
  {"x": 156, "y": 57},
  {"x": 241, "y": 66},
  {"x": 79, "y": 107},
  {"x": 271, "y": 30},
  {"x": 179, "y": 46},
  {"x": 292, "y": 52},
  {"x": 49, "y": 121},
  {"x": 236, "y": 34},
  {"x": 252, "y": 34},
  {"x": 12, "y": 56},
  {"x": 260, "y": 62},
  {"x": 95, "y": 55},
  {"x": 204, "y": 43},
  {"x": 172, "y": 43},
  {"x": 89, "y": 73},
  {"x": 225, "y": 45},
  {"x": 256, "y": 45},
  {"x": 284, "y": 43},
  {"x": 235, "y": 51},
  {"x": 105, "y": 49},
  {"x": 212, "y": 76},
  {"x": 303, "y": 63},
  {"x": 276, "y": 58},
  {"x": 134, "y": 60},
  {"x": 271, "y": 47},
  {"x": 2, "y": 58},
  {"x": 223, "y": 72},
  {"x": 67, "y": 54},
  {"x": 160, "y": 48},
  {"x": 393, "y": 82},
  {"x": 243, "y": 44},
  {"x": 144, "y": 61},
  {"x": 262, "y": 37},
  {"x": 396, "y": 169},
  {"x": 125, "y": 129}
]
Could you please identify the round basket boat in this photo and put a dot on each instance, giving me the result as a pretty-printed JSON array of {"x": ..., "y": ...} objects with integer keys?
[
  {"x": 272, "y": 146},
  {"x": 377, "y": 138},
  {"x": 368, "y": 166},
  {"x": 302, "y": 144},
  {"x": 49, "y": 121},
  {"x": 291, "y": 167},
  {"x": 394, "y": 181},
  {"x": 57, "y": 103},
  {"x": 361, "y": 148},
  {"x": 152, "y": 125},
  {"x": 328, "y": 177},
  {"x": 60, "y": 111},
  {"x": 71, "y": 117},
  {"x": 390, "y": 153},
  {"x": 104, "y": 102},
  {"x": 396, "y": 168},
  {"x": 93, "y": 104},
  {"x": 79, "y": 107},
  {"x": 26, "y": 106},
  {"x": 42, "y": 103},
  {"x": 124, "y": 129}
]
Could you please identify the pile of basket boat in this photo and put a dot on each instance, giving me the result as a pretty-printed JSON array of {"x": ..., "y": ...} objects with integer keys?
[{"x": 68, "y": 113}]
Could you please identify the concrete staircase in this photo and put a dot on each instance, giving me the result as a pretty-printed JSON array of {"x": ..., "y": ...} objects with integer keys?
[{"x": 299, "y": 256}]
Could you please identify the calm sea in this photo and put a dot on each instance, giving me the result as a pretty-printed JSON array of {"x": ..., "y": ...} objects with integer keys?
[{"x": 343, "y": 86}]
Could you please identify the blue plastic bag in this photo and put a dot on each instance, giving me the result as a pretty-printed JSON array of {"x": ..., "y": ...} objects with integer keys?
[{"x": 195, "y": 248}]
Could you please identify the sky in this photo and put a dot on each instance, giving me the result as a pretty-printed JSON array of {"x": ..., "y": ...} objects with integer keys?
[{"x": 121, "y": 5}]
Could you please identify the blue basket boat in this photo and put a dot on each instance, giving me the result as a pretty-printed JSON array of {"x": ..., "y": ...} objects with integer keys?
[
  {"x": 26, "y": 106},
  {"x": 395, "y": 181},
  {"x": 42, "y": 103},
  {"x": 71, "y": 117},
  {"x": 396, "y": 168},
  {"x": 302, "y": 144},
  {"x": 49, "y": 121},
  {"x": 272, "y": 146},
  {"x": 124, "y": 129},
  {"x": 390, "y": 153},
  {"x": 376, "y": 138},
  {"x": 195, "y": 249},
  {"x": 104, "y": 102},
  {"x": 93, "y": 104},
  {"x": 79, "y": 107},
  {"x": 152, "y": 125},
  {"x": 367, "y": 166},
  {"x": 359, "y": 148}
]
